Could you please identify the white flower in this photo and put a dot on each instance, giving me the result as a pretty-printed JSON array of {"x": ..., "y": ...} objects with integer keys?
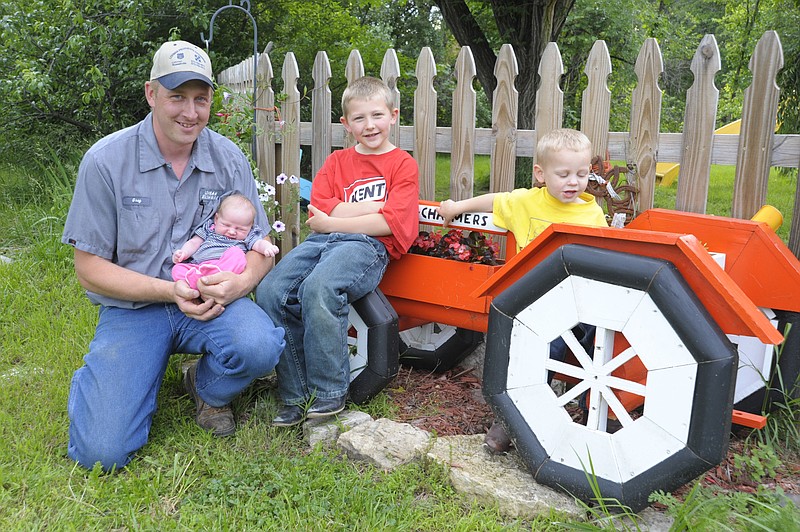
[
  {"x": 279, "y": 226},
  {"x": 293, "y": 179},
  {"x": 281, "y": 178}
]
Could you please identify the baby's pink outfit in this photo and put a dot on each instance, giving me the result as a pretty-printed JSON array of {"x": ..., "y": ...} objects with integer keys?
[{"x": 233, "y": 260}]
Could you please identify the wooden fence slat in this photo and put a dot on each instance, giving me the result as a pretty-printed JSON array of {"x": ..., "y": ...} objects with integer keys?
[
  {"x": 759, "y": 114},
  {"x": 320, "y": 112},
  {"x": 504, "y": 121},
  {"x": 549, "y": 96},
  {"x": 353, "y": 70},
  {"x": 794, "y": 232},
  {"x": 646, "y": 121},
  {"x": 596, "y": 104},
  {"x": 290, "y": 154},
  {"x": 425, "y": 124},
  {"x": 699, "y": 123},
  {"x": 265, "y": 143},
  {"x": 390, "y": 71},
  {"x": 462, "y": 159}
]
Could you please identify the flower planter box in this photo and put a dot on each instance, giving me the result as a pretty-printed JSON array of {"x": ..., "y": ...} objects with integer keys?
[{"x": 432, "y": 287}]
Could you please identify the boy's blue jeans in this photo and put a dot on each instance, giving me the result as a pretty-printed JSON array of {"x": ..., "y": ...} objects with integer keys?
[
  {"x": 308, "y": 293},
  {"x": 112, "y": 398}
]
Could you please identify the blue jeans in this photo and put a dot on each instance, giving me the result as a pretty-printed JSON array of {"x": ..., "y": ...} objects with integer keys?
[
  {"x": 113, "y": 395},
  {"x": 584, "y": 333},
  {"x": 309, "y": 293}
]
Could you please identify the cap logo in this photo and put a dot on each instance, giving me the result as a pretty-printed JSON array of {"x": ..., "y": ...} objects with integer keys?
[{"x": 177, "y": 62}]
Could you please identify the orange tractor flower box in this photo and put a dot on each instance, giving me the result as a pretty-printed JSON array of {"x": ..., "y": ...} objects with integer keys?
[{"x": 687, "y": 310}]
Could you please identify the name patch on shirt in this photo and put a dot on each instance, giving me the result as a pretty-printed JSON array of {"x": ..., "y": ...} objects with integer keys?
[
  {"x": 136, "y": 201},
  {"x": 367, "y": 189},
  {"x": 209, "y": 195}
]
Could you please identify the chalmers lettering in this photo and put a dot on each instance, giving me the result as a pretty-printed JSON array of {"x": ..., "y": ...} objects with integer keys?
[{"x": 429, "y": 214}]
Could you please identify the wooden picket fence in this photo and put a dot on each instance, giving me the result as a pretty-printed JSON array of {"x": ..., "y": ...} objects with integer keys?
[{"x": 753, "y": 151}]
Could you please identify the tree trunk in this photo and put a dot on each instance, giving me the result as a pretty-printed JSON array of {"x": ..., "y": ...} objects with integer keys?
[{"x": 527, "y": 26}]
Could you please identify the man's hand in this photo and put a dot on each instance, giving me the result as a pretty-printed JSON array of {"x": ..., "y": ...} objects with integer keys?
[
  {"x": 189, "y": 302},
  {"x": 223, "y": 287}
]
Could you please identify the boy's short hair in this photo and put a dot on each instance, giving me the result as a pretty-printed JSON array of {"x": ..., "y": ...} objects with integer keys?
[
  {"x": 366, "y": 88},
  {"x": 561, "y": 139},
  {"x": 237, "y": 200}
]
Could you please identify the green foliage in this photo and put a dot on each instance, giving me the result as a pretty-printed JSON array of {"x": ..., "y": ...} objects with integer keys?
[
  {"x": 706, "y": 509},
  {"x": 232, "y": 115},
  {"x": 742, "y": 26},
  {"x": 76, "y": 69},
  {"x": 782, "y": 407},
  {"x": 759, "y": 462}
]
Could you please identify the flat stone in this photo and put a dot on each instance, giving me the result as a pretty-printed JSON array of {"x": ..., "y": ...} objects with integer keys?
[
  {"x": 384, "y": 443},
  {"x": 498, "y": 480},
  {"x": 327, "y": 430}
]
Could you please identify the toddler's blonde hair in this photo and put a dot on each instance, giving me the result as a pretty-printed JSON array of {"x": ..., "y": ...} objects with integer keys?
[{"x": 561, "y": 139}]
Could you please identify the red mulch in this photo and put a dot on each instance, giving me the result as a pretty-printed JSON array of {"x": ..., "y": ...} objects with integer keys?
[
  {"x": 446, "y": 404},
  {"x": 451, "y": 403}
]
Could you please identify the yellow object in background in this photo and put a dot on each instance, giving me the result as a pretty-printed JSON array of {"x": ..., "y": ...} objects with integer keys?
[
  {"x": 667, "y": 173},
  {"x": 770, "y": 216}
]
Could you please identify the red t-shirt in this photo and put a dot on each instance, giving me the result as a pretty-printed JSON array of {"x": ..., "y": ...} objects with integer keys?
[{"x": 391, "y": 177}]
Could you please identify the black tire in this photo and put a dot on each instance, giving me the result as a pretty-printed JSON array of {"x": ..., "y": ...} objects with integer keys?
[
  {"x": 374, "y": 346},
  {"x": 685, "y": 423},
  {"x": 437, "y": 347}
]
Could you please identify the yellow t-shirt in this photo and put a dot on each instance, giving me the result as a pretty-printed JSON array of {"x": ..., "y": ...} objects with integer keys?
[{"x": 526, "y": 212}]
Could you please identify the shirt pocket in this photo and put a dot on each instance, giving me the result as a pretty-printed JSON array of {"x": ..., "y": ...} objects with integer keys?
[{"x": 139, "y": 230}]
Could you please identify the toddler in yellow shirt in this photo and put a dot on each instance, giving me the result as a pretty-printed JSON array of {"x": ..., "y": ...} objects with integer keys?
[{"x": 563, "y": 164}]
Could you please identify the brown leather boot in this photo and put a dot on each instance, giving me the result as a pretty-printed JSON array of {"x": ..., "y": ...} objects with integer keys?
[
  {"x": 217, "y": 420},
  {"x": 497, "y": 439}
]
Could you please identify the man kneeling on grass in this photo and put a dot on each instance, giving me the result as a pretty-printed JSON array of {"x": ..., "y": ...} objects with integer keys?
[{"x": 140, "y": 194}]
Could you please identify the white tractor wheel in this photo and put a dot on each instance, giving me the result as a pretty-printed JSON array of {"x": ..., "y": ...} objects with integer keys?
[
  {"x": 436, "y": 346},
  {"x": 647, "y": 319}
]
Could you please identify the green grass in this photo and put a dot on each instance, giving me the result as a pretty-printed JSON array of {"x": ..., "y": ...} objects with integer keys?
[
  {"x": 780, "y": 194},
  {"x": 481, "y": 175},
  {"x": 262, "y": 478}
]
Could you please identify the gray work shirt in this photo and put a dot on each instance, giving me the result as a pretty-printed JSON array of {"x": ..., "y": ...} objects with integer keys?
[{"x": 130, "y": 208}]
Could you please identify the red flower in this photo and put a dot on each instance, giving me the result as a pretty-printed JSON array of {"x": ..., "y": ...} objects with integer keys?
[{"x": 474, "y": 247}]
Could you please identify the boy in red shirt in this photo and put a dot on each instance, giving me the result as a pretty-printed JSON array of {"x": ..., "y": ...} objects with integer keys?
[{"x": 363, "y": 212}]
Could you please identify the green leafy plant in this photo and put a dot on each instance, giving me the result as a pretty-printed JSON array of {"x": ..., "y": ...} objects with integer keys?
[
  {"x": 236, "y": 121},
  {"x": 267, "y": 196},
  {"x": 761, "y": 461},
  {"x": 781, "y": 406}
]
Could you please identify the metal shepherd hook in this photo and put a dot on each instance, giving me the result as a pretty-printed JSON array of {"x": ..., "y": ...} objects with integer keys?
[{"x": 246, "y": 10}]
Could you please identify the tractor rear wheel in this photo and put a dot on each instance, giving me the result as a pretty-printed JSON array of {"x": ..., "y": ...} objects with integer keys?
[{"x": 657, "y": 386}]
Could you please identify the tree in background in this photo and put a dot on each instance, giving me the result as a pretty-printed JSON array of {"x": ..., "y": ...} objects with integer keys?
[
  {"x": 528, "y": 26},
  {"x": 73, "y": 70},
  {"x": 742, "y": 26}
]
